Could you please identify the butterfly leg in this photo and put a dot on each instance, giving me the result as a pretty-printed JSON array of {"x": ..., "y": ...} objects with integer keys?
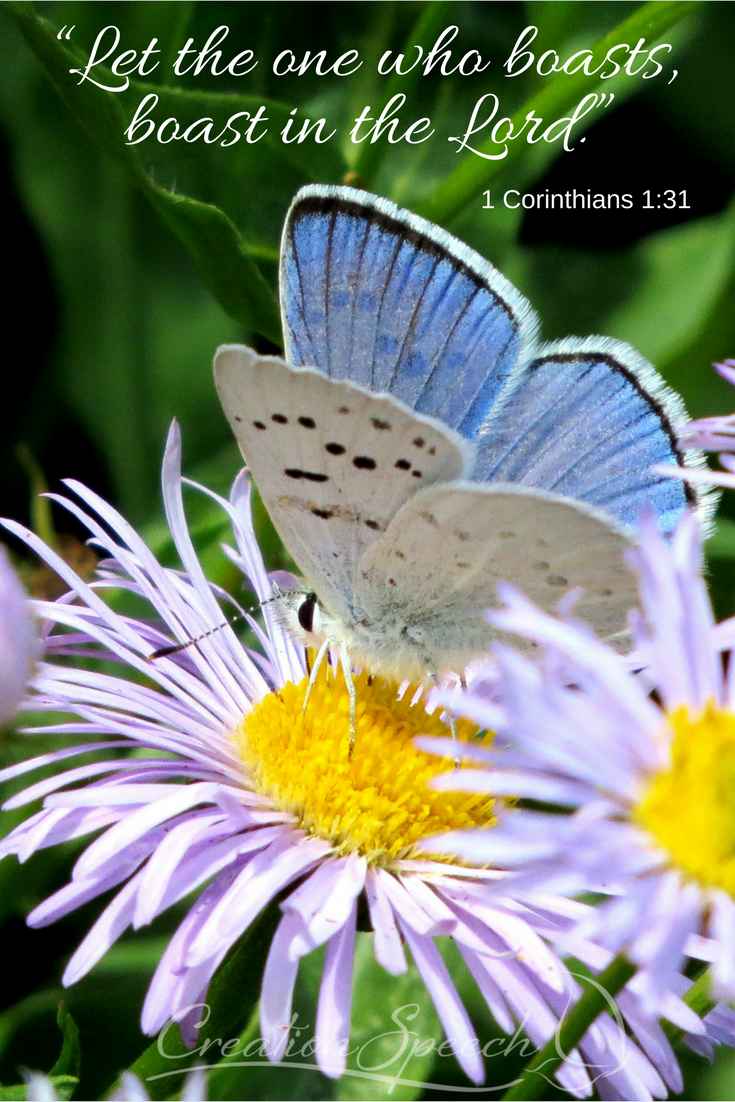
[
  {"x": 313, "y": 673},
  {"x": 455, "y": 741},
  {"x": 349, "y": 682},
  {"x": 452, "y": 720}
]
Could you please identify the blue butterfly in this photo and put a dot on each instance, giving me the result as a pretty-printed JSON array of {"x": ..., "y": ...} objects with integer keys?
[{"x": 417, "y": 445}]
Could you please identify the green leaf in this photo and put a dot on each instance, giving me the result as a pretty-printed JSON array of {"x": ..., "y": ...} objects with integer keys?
[
  {"x": 394, "y": 1035},
  {"x": 721, "y": 544},
  {"x": 26, "y": 1014},
  {"x": 207, "y": 232},
  {"x": 433, "y": 18},
  {"x": 98, "y": 111},
  {"x": 215, "y": 245},
  {"x": 252, "y": 182},
  {"x": 70, "y": 1058},
  {"x": 720, "y": 551},
  {"x": 566, "y": 20},
  {"x": 248, "y": 1074},
  {"x": 682, "y": 274},
  {"x": 705, "y": 108},
  {"x": 232, "y": 995},
  {"x": 715, "y": 1081},
  {"x": 64, "y": 1086},
  {"x": 561, "y": 94}
]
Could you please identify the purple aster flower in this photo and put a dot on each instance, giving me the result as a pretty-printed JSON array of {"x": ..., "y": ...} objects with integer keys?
[
  {"x": 645, "y": 760},
  {"x": 246, "y": 796},
  {"x": 19, "y": 643}
]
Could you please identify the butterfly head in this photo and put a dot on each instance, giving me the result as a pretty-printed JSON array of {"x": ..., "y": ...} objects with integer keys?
[{"x": 302, "y": 615}]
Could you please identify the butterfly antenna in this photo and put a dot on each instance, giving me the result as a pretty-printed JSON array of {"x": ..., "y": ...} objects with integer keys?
[{"x": 174, "y": 648}]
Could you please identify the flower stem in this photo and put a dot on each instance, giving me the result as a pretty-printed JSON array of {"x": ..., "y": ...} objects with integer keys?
[{"x": 571, "y": 1030}]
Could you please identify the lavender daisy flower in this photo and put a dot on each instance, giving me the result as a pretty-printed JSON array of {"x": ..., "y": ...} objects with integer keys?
[
  {"x": 19, "y": 643},
  {"x": 651, "y": 778},
  {"x": 246, "y": 796}
]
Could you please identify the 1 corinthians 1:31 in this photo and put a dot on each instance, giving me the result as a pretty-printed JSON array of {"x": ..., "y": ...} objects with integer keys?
[{"x": 252, "y": 124}]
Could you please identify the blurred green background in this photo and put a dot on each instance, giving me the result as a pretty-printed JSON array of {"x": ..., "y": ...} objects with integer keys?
[{"x": 127, "y": 266}]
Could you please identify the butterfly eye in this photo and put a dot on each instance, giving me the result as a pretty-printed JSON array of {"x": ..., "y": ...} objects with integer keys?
[{"x": 306, "y": 612}]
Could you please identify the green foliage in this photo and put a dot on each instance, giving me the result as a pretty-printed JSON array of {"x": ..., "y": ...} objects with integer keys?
[
  {"x": 394, "y": 1035},
  {"x": 64, "y": 1086},
  {"x": 70, "y": 1057},
  {"x": 232, "y": 995},
  {"x": 558, "y": 96},
  {"x": 64, "y": 1075}
]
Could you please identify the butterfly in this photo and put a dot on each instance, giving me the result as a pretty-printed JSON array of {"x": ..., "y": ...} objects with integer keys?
[{"x": 416, "y": 445}]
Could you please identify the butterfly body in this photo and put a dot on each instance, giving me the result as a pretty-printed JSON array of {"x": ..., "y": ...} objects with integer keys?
[{"x": 416, "y": 447}]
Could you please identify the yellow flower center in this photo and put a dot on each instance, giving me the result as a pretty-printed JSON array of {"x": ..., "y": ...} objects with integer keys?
[
  {"x": 377, "y": 803},
  {"x": 689, "y": 808}
]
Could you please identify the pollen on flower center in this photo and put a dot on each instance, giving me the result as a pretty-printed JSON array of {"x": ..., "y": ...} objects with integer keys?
[
  {"x": 689, "y": 808},
  {"x": 379, "y": 803}
]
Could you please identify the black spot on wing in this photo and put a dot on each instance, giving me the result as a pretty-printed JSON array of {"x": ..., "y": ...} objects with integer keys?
[
  {"x": 364, "y": 463},
  {"x": 334, "y": 449},
  {"x": 378, "y": 424},
  {"x": 403, "y": 465},
  {"x": 307, "y": 422},
  {"x": 279, "y": 418},
  {"x": 257, "y": 425},
  {"x": 311, "y": 476}
]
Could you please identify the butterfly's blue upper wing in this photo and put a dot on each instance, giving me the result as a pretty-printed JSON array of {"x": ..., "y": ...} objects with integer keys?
[
  {"x": 589, "y": 419},
  {"x": 380, "y": 297}
]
